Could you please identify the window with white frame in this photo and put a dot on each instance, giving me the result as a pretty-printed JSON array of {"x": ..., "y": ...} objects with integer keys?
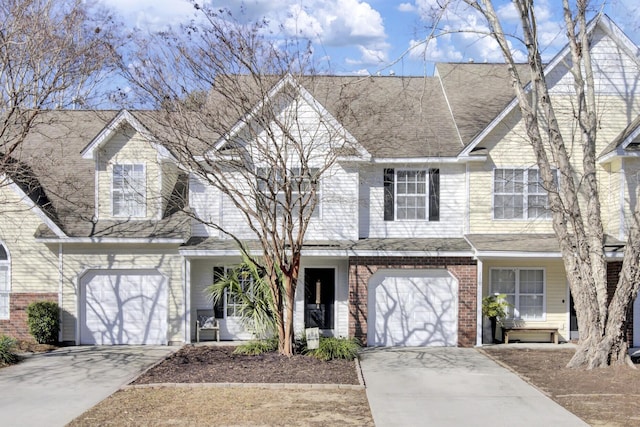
[
  {"x": 233, "y": 301},
  {"x": 411, "y": 194},
  {"x": 274, "y": 186},
  {"x": 520, "y": 194},
  {"x": 129, "y": 190},
  {"x": 5, "y": 283},
  {"x": 524, "y": 289}
]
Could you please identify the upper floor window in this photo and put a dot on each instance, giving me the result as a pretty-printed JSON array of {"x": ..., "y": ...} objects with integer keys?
[
  {"x": 274, "y": 187},
  {"x": 519, "y": 194},
  {"x": 129, "y": 190},
  {"x": 412, "y": 194},
  {"x": 5, "y": 283},
  {"x": 524, "y": 290}
]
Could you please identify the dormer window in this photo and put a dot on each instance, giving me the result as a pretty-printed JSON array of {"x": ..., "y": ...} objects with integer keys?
[{"x": 128, "y": 191}]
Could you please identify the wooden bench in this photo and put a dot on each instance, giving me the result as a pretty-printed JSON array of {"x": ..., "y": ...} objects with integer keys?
[
  {"x": 552, "y": 331},
  {"x": 206, "y": 321}
]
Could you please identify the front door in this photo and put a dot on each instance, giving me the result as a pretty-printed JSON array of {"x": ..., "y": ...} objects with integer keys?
[
  {"x": 573, "y": 320},
  {"x": 319, "y": 298}
]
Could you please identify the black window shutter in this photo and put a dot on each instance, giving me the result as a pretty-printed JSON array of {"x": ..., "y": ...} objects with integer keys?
[
  {"x": 434, "y": 194},
  {"x": 389, "y": 190},
  {"x": 218, "y": 307}
]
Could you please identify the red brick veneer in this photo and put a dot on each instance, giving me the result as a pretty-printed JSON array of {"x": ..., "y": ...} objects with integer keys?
[
  {"x": 16, "y": 325},
  {"x": 463, "y": 268}
]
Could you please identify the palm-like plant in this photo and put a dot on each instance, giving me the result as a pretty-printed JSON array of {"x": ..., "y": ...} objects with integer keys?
[{"x": 251, "y": 295}]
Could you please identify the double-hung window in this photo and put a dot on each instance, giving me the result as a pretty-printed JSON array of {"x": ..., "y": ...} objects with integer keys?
[
  {"x": 5, "y": 283},
  {"x": 520, "y": 194},
  {"x": 274, "y": 187},
  {"x": 129, "y": 190},
  {"x": 524, "y": 290},
  {"x": 412, "y": 194}
]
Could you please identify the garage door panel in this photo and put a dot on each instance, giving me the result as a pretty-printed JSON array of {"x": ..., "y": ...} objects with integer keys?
[
  {"x": 412, "y": 308},
  {"x": 124, "y": 307}
]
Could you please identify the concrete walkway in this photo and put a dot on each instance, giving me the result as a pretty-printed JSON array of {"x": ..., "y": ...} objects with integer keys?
[
  {"x": 452, "y": 387},
  {"x": 54, "y": 388}
]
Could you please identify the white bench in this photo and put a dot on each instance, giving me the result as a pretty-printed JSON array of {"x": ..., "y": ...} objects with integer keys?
[
  {"x": 206, "y": 321},
  {"x": 552, "y": 331}
]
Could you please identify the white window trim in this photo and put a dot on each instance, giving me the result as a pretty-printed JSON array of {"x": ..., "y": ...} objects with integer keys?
[
  {"x": 320, "y": 184},
  {"x": 525, "y": 194},
  {"x": 144, "y": 173},
  {"x": 426, "y": 194},
  {"x": 7, "y": 263},
  {"x": 517, "y": 293},
  {"x": 227, "y": 295}
]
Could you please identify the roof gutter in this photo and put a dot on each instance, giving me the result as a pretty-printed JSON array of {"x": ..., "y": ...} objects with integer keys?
[{"x": 125, "y": 240}]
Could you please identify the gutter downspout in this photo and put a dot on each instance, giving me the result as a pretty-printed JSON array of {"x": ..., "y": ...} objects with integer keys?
[{"x": 479, "y": 317}]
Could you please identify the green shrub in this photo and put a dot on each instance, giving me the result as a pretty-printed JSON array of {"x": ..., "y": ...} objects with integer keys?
[
  {"x": 335, "y": 348},
  {"x": 7, "y": 356},
  {"x": 44, "y": 321},
  {"x": 253, "y": 348}
]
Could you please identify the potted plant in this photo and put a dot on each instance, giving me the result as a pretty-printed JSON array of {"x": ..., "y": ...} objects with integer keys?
[{"x": 495, "y": 307}]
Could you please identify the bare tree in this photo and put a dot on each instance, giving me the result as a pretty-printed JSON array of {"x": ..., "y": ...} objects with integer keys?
[
  {"x": 575, "y": 200},
  {"x": 231, "y": 102},
  {"x": 54, "y": 54}
]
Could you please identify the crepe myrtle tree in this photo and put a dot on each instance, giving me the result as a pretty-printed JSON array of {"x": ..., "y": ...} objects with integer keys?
[
  {"x": 54, "y": 54},
  {"x": 574, "y": 199},
  {"x": 230, "y": 100}
]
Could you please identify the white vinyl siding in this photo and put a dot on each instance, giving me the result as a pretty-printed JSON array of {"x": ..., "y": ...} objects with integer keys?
[
  {"x": 519, "y": 194},
  {"x": 524, "y": 290},
  {"x": 128, "y": 190}
]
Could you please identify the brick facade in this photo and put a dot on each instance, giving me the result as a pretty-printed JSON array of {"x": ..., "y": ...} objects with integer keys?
[
  {"x": 462, "y": 268},
  {"x": 16, "y": 325}
]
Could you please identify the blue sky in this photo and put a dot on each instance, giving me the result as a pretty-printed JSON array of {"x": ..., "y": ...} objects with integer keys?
[{"x": 380, "y": 36}]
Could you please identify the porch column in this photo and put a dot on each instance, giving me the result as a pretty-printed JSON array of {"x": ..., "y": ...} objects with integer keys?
[{"x": 479, "y": 319}]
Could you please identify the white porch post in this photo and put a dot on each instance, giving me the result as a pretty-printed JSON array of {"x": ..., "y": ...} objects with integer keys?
[{"x": 187, "y": 300}]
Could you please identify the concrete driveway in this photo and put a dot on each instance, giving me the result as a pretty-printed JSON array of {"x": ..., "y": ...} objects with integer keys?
[
  {"x": 54, "y": 388},
  {"x": 452, "y": 387}
]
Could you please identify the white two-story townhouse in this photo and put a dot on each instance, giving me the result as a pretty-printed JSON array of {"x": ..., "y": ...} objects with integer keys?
[{"x": 436, "y": 206}]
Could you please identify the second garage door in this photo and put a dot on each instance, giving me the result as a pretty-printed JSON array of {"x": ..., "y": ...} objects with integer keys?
[
  {"x": 123, "y": 307},
  {"x": 412, "y": 308}
]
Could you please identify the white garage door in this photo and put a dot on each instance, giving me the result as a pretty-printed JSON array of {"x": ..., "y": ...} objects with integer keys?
[
  {"x": 412, "y": 308},
  {"x": 123, "y": 307}
]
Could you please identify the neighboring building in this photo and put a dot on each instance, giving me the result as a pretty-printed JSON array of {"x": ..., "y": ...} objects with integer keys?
[{"x": 439, "y": 206}]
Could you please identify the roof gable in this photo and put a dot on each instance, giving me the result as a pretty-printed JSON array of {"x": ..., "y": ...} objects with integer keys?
[
  {"x": 558, "y": 64},
  {"x": 122, "y": 118},
  {"x": 288, "y": 81}
]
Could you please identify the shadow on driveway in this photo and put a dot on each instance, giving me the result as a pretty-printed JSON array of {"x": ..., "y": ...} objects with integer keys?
[
  {"x": 54, "y": 388},
  {"x": 448, "y": 386}
]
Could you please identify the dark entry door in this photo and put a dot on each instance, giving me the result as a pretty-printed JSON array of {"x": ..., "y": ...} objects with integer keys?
[
  {"x": 573, "y": 320},
  {"x": 319, "y": 297}
]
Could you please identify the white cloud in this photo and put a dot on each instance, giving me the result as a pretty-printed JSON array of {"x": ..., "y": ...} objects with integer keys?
[
  {"x": 331, "y": 23},
  {"x": 434, "y": 51},
  {"x": 406, "y": 7}
]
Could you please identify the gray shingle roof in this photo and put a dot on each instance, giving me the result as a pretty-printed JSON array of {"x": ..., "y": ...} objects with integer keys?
[
  {"x": 348, "y": 246},
  {"x": 392, "y": 117},
  {"x": 525, "y": 243},
  {"x": 477, "y": 93}
]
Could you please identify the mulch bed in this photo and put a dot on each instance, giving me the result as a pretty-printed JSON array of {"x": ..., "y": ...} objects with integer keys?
[
  {"x": 602, "y": 397},
  {"x": 218, "y": 364}
]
